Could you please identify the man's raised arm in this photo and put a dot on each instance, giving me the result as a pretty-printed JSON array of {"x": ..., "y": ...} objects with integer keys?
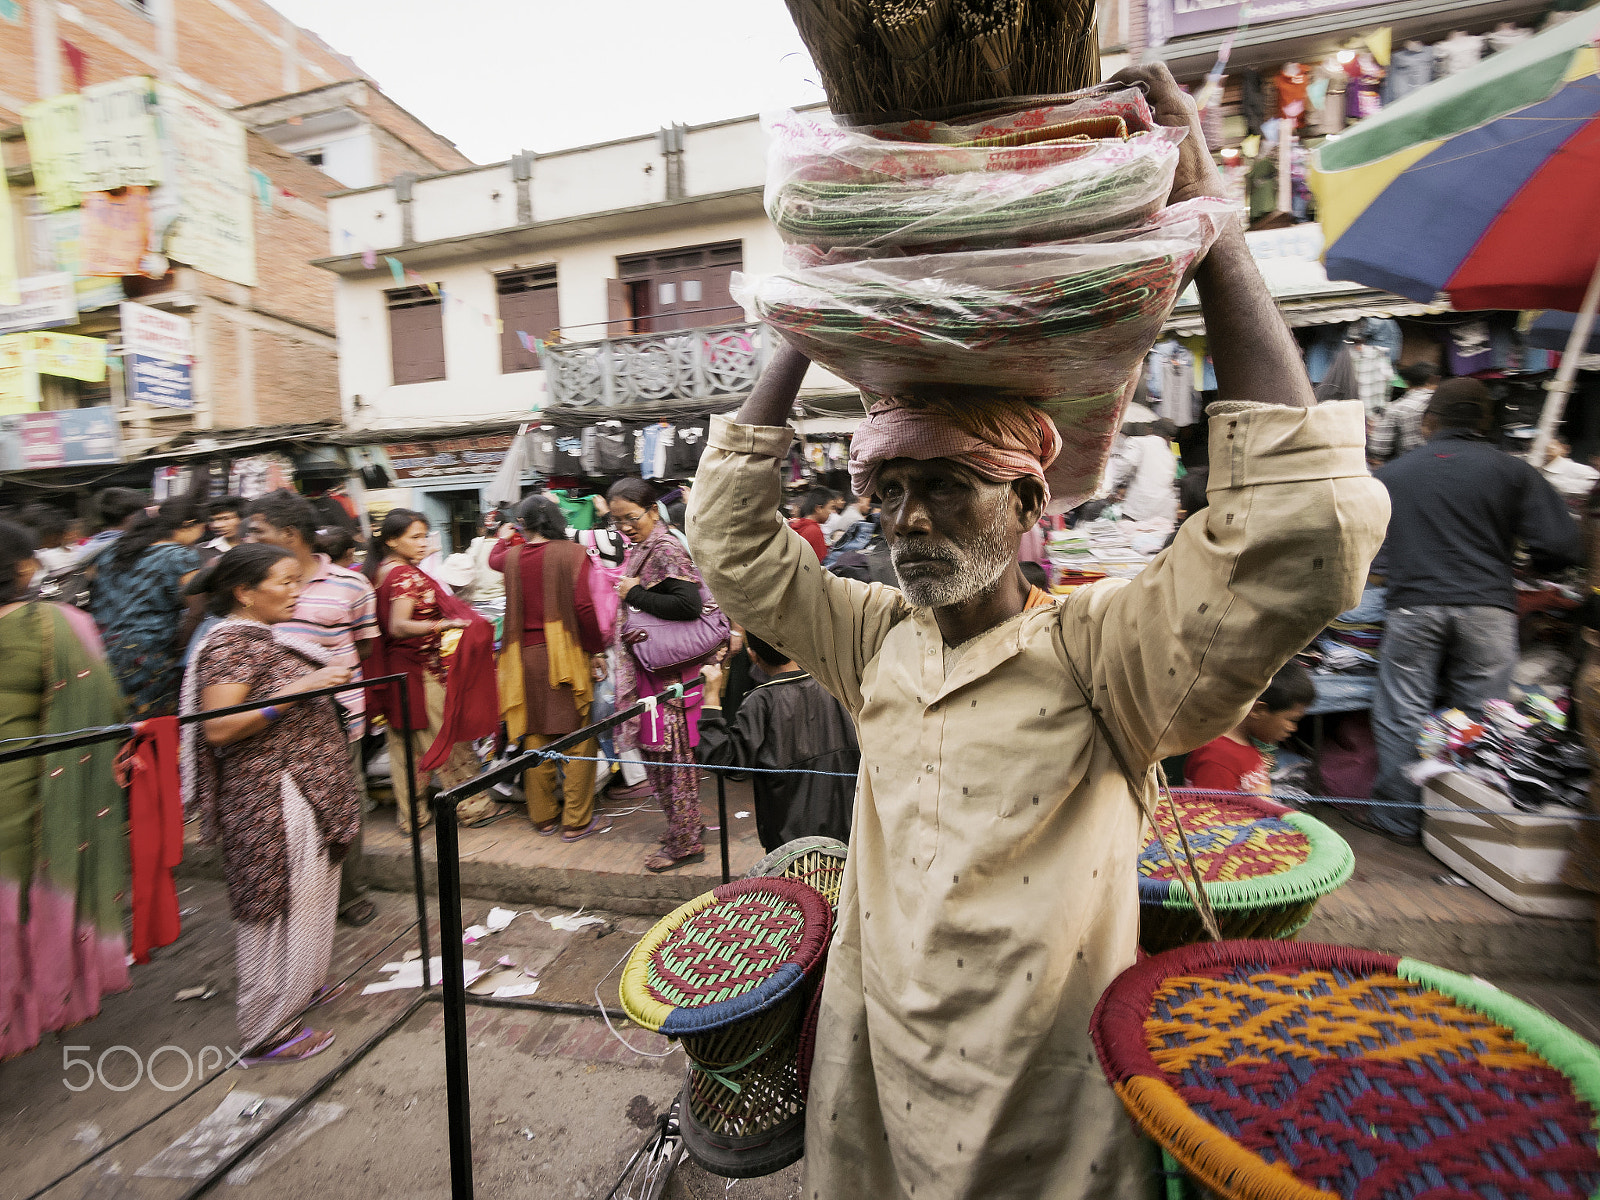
[
  {"x": 1251, "y": 348},
  {"x": 764, "y": 574}
]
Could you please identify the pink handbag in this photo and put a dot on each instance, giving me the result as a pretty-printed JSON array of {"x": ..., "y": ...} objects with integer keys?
[{"x": 671, "y": 645}]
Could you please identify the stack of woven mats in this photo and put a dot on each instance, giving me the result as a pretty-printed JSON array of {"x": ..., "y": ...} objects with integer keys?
[
  {"x": 1025, "y": 255},
  {"x": 729, "y": 974},
  {"x": 1291, "y": 1071},
  {"x": 1263, "y": 867}
]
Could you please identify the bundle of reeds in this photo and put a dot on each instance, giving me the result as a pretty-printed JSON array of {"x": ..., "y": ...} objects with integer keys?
[{"x": 890, "y": 59}]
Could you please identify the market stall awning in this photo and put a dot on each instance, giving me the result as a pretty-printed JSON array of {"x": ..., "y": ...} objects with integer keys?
[{"x": 1337, "y": 308}]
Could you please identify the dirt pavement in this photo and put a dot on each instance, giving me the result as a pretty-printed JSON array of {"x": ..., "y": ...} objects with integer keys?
[{"x": 558, "y": 1103}]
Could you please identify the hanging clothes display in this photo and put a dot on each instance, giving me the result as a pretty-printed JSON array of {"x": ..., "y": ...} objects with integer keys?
[
  {"x": 1506, "y": 35},
  {"x": 1172, "y": 366},
  {"x": 613, "y": 447},
  {"x": 1327, "y": 95},
  {"x": 1374, "y": 375},
  {"x": 581, "y": 511}
]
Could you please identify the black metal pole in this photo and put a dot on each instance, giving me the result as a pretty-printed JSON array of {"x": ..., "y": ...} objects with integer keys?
[
  {"x": 404, "y": 688},
  {"x": 454, "y": 991},
  {"x": 722, "y": 821}
]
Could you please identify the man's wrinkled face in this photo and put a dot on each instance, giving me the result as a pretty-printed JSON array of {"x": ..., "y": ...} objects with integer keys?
[{"x": 951, "y": 533}]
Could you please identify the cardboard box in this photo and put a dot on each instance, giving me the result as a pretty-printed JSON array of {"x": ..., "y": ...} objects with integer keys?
[{"x": 1513, "y": 856}]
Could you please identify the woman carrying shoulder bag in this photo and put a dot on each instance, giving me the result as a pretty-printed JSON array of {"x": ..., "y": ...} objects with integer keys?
[{"x": 660, "y": 580}]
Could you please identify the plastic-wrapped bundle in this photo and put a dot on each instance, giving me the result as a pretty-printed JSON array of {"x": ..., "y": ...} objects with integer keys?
[
  {"x": 1069, "y": 319},
  {"x": 1098, "y": 185},
  {"x": 1028, "y": 115}
]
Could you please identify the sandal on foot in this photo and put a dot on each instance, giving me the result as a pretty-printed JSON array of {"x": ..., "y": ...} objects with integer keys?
[
  {"x": 664, "y": 862},
  {"x": 594, "y": 826},
  {"x": 546, "y": 828},
  {"x": 360, "y": 913},
  {"x": 489, "y": 818},
  {"x": 301, "y": 1046}
]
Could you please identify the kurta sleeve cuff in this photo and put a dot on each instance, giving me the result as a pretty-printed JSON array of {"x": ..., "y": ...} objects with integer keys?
[
  {"x": 766, "y": 440},
  {"x": 1255, "y": 444}
]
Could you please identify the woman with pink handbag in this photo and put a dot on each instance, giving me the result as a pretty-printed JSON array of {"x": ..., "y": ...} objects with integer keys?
[{"x": 667, "y": 626}]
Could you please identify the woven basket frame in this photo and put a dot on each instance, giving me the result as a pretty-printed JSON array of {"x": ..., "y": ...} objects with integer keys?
[
  {"x": 821, "y": 871},
  {"x": 1167, "y": 928},
  {"x": 769, "y": 1084}
]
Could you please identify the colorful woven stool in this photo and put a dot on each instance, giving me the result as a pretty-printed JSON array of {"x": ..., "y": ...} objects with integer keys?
[
  {"x": 818, "y": 861},
  {"x": 1294, "y": 1071},
  {"x": 1263, "y": 866},
  {"x": 726, "y": 974}
]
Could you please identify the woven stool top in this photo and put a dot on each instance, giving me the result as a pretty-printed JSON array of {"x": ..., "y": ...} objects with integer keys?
[
  {"x": 1250, "y": 852},
  {"x": 1294, "y": 1071},
  {"x": 730, "y": 953}
]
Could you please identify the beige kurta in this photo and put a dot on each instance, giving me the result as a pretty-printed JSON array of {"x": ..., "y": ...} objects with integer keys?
[{"x": 990, "y": 893}]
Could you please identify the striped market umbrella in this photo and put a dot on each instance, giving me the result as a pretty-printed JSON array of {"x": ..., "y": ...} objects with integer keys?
[{"x": 1484, "y": 185}]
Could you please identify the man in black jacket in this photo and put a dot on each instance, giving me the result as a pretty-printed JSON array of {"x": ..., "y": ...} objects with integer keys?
[
  {"x": 1460, "y": 506},
  {"x": 787, "y": 724}
]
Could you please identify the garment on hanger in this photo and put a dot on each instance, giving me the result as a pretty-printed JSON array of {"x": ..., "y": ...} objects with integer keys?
[
  {"x": 1410, "y": 67},
  {"x": 1326, "y": 96},
  {"x": 1252, "y": 106},
  {"x": 1456, "y": 53},
  {"x": 613, "y": 448},
  {"x": 1468, "y": 348},
  {"x": 688, "y": 444},
  {"x": 657, "y": 440},
  {"x": 1174, "y": 367},
  {"x": 1506, "y": 35},
  {"x": 542, "y": 450},
  {"x": 579, "y": 510},
  {"x": 1385, "y": 332},
  {"x": 589, "y": 453},
  {"x": 1374, "y": 375},
  {"x": 1292, "y": 81},
  {"x": 1362, "y": 99},
  {"x": 568, "y": 453}
]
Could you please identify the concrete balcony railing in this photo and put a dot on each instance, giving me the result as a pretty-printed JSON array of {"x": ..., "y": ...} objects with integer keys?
[{"x": 686, "y": 364}]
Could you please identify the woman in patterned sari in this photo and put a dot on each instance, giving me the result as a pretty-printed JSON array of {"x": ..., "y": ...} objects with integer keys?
[
  {"x": 63, "y": 822},
  {"x": 273, "y": 785},
  {"x": 415, "y": 612},
  {"x": 137, "y": 599},
  {"x": 659, "y": 578}
]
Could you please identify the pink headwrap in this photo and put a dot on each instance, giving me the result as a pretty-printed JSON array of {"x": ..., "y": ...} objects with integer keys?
[{"x": 1000, "y": 440}]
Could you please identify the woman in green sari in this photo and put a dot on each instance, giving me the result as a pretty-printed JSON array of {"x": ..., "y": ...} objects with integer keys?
[{"x": 63, "y": 821}]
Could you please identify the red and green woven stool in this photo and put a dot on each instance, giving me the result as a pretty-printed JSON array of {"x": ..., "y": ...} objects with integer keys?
[
  {"x": 1294, "y": 1071},
  {"x": 818, "y": 861},
  {"x": 728, "y": 974},
  {"x": 1263, "y": 866}
]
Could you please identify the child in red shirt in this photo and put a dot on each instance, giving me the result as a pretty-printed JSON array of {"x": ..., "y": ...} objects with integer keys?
[{"x": 1231, "y": 763}]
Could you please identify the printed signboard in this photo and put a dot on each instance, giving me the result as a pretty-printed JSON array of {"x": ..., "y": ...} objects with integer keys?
[
  {"x": 457, "y": 456},
  {"x": 157, "y": 381}
]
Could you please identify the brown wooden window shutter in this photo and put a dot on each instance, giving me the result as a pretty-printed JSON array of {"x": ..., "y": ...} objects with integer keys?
[
  {"x": 528, "y": 304},
  {"x": 416, "y": 335}
]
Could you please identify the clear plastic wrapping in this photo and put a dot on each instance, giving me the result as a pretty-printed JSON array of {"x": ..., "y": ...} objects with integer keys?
[
  {"x": 1103, "y": 184},
  {"x": 1066, "y": 320}
]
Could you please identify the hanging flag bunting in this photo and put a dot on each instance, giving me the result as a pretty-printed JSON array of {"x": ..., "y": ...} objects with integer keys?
[
  {"x": 263, "y": 188},
  {"x": 395, "y": 269},
  {"x": 369, "y": 258}
]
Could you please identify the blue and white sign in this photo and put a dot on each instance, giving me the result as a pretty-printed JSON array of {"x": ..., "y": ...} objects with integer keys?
[{"x": 158, "y": 381}]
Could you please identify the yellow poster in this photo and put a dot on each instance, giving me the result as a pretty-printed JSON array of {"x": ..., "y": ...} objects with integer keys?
[
  {"x": 9, "y": 292},
  {"x": 19, "y": 381},
  {"x": 70, "y": 356},
  {"x": 55, "y": 146}
]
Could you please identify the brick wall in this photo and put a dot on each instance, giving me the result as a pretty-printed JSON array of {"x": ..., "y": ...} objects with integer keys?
[
  {"x": 234, "y": 61},
  {"x": 289, "y": 236},
  {"x": 420, "y": 143}
]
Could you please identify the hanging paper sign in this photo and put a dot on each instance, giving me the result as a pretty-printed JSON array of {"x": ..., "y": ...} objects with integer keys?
[
  {"x": 157, "y": 381},
  {"x": 69, "y": 437},
  {"x": 69, "y": 356},
  {"x": 47, "y": 301},
  {"x": 9, "y": 291},
  {"x": 118, "y": 126},
  {"x": 113, "y": 231},
  {"x": 19, "y": 382},
  {"x": 55, "y": 147},
  {"x": 214, "y": 232},
  {"x": 152, "y": 333}
]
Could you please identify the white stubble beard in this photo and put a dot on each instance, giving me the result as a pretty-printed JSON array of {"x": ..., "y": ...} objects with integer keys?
[{"x": 977, "y": 568}]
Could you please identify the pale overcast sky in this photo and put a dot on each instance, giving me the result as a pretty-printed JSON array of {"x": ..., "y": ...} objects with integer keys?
[{"x": 498, "y": 76}]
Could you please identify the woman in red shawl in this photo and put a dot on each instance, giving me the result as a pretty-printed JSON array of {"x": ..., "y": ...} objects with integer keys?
[{"x": 448, "y": 684}]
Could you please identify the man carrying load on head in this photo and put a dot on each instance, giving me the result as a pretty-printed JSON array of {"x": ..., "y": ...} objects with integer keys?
[{"x": 991, "y": 895}]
